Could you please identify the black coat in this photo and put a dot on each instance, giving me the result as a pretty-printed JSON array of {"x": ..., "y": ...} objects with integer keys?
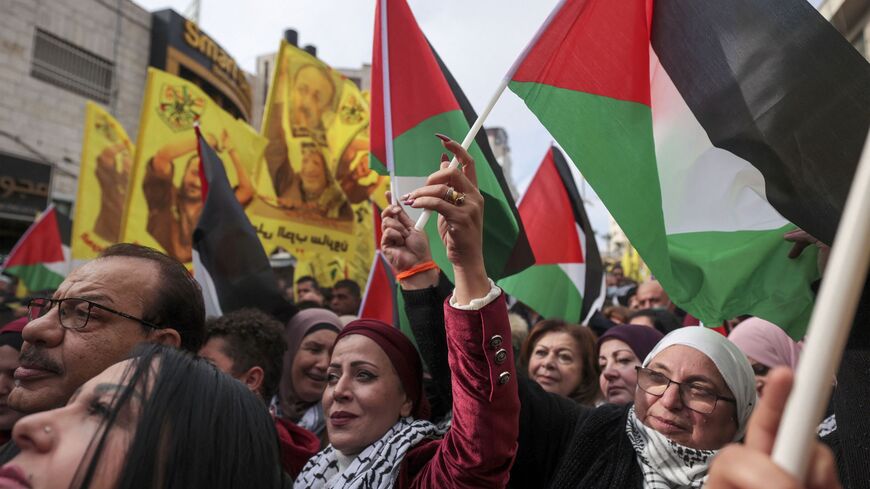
[{"x": 561, "y": 443}]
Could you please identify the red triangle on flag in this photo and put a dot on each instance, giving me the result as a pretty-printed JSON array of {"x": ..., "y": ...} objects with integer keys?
[
  {"x": 417, "y": 89},
  {"x": 379, "y": 301},
  {"x": 548, "y": 217},
  {"x": 40, "y": 244}
]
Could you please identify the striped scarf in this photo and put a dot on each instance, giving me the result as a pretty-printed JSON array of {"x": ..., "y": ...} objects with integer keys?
[
  {"x": 666, "y": 464},
  {"x": 376, "y": 467}
]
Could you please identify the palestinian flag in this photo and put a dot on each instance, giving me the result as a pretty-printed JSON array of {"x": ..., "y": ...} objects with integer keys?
[
  {"x": 567, "y": 280},
  {"x": 228, "y": 260},
  {"x": 379, "y": 300},
  {"x": 700, "y": 126},
  {"x": 41, "y": 258},
  {"x": 414, "y": 97}
]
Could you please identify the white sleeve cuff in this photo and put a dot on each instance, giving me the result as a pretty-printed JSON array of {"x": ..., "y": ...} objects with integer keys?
[{"x": 477, "y": 304}]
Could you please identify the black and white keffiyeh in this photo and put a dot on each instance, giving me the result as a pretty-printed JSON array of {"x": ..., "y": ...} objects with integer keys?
[
  {"x": 376, "y": 467},
  {"x": 664, "y": 463}
]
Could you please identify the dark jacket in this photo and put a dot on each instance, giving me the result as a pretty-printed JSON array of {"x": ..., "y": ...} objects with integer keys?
[{"x": 561, "y": 443}]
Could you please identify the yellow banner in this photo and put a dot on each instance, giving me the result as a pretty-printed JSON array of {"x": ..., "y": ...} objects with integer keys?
[
  {"x": 165, "y": 198},
  {"x": 106, "y": 164},
  {"x": 314, "y": 185}
]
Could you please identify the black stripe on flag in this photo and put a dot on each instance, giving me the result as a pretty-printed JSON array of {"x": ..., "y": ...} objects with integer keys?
[
  {"x": 521, "y": 256},
  {"x": 229, "y": 250},
  {"x": 774, "y": 83},
  {"x": 591, "y": 258}
]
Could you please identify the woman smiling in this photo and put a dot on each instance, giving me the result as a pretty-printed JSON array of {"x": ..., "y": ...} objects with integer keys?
[{"x": 374, "y": 402}]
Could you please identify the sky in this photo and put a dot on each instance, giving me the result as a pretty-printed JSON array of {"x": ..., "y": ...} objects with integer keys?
[{"x": 477, "y": 39}]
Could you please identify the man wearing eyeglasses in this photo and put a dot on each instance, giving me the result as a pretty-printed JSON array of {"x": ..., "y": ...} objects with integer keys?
[{"x": 130, "y": 294}]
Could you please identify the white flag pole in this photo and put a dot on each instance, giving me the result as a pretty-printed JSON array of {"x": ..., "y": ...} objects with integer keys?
[
  {"x": 829, "y": 327},
  {"x": 475, "y": 128},
  {"x": 388, "y": 102}
]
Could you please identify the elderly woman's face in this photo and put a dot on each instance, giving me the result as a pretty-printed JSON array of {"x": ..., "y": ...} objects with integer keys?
[
  {"x": 363, "y": 397},
  {"x": 668, "y": 413},
  {"x": 555, "y": 363},
  {"x": 55, "y": 444}
]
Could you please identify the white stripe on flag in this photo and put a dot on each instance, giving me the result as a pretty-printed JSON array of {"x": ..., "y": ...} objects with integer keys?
[
  {"x": 704, "y": 188},
  {"x": 209, "y": 291}
]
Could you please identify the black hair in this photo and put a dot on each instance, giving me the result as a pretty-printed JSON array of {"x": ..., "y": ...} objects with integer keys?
[
  {"x": 253, "y": 339},
  {"x": 176, "y": 302},
  {"x": 664, "y": 321},
  {"x": 308, "y": 278},
  {"x": 350, "y": 285},
  {"x": 197, "y": 428}
]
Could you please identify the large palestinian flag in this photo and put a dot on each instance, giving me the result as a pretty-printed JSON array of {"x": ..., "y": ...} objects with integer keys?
[
  {"x": 414, "y": 97},
  {"x": 567, "y": 280},
  {"x": 41, "y": 258},
  {"x": 700, "y": 128}
]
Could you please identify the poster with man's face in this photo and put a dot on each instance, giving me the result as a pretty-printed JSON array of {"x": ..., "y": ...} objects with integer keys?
[{"x": 315, "y": 175}]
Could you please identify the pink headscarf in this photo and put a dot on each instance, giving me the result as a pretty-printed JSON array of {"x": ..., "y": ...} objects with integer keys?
[{"x": 766, "y": 343}]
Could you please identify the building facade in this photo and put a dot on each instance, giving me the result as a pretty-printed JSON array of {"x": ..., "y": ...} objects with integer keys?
[
  {"x": 498, "y": 142},
  {"x": 852, "y": 19},
  {"x": 55, "y": 56}
]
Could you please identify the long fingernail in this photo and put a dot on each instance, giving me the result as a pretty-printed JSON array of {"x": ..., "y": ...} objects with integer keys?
[
  {"x": 404, "y": 197},
  {"x": 442, "y": 137},
  {"x": 444, "y": 157},
  {"x": 409, "y": 202}
]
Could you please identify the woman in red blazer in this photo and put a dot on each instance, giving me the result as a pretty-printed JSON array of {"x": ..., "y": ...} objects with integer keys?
[{"x": 374, "y": 403}]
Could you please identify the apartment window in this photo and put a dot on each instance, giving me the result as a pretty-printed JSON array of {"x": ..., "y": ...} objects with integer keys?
[{"x": 70, "y": 67}]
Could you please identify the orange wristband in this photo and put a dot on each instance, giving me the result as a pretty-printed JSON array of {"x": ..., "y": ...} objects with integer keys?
[{"x": 419, "y": 268}]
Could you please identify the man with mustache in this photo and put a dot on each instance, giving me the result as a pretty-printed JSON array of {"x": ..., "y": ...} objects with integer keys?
[{"x": 128, "y": 295}]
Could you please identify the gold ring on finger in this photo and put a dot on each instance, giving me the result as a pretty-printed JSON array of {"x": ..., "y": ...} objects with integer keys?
[{"x": 450, "y": 195}]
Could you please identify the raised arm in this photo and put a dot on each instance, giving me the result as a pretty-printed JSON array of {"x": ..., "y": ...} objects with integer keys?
[
  {"x": 479, "y": 448},
  {"x": 424, "y": 293},
  {"x": 244, "y": 190},
  {"x": 162, "y": 162}
]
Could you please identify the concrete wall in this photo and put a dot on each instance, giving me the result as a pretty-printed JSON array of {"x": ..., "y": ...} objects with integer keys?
[{"x": 50, "y": 119}]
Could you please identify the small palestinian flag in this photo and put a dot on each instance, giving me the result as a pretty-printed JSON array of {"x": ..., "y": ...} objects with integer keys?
[
  {"x": 379, "y": 300},
  {"x": 701, "y": 125},
  {"x": 228, "y": 260},
  {"x": 414, "y": 97},
  {"x": 41, "y": 258},
  {"x": 567, "y": 280}
]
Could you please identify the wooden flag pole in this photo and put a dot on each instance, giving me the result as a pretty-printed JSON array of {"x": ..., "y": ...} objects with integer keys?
[
  {"x": 829, "y": 327},
  {"x": 469, "y": 138}
]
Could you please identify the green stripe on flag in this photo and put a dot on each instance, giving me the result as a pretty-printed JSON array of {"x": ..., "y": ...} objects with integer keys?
[
  {"x": 36, "y": 277},
  {"x": 547, "y": 290},
  {"x": 710, "y": 266},
  {"x": 713, "y": 275},
  {"x": 611, "y": 141},
  {"x": 417, "y": 154}
]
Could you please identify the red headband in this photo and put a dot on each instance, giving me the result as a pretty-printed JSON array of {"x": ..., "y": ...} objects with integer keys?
[{"x": 402, "y": 355}]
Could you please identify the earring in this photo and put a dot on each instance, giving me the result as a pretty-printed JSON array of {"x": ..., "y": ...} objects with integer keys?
[{"x": 46, "y": 429}]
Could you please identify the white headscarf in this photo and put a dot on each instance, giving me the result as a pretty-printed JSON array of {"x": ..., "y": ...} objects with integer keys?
[{"x": 729, "y": 360}]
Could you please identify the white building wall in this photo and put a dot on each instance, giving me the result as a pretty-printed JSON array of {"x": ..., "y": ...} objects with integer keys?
[{"x": 46, "y": 118}]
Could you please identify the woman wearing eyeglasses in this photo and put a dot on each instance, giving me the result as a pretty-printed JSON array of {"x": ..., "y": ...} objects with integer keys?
[{"x": 695, "y": 393}]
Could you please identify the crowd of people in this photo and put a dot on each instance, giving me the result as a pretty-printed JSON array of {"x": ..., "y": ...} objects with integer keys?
[{"x": 118, "y": 380}]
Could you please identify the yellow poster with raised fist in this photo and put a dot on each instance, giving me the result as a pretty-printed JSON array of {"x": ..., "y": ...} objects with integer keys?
[
  {"x": 165, "y": 198},
  {"x": 106, "y": 165}
]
